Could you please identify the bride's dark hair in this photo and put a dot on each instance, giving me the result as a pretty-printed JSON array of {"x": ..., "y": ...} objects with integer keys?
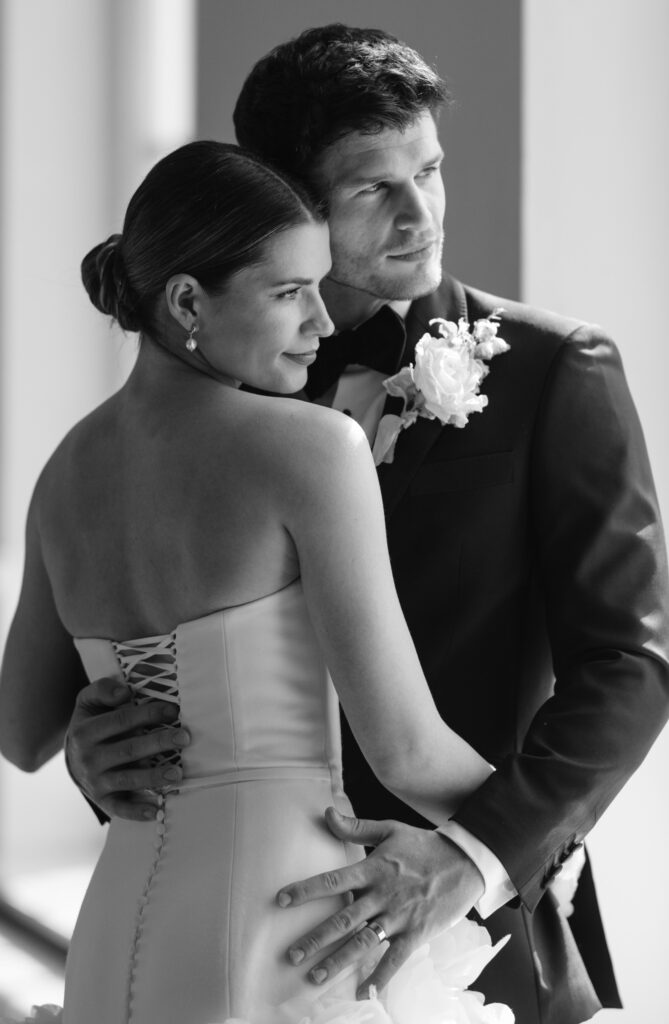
[{"x": 207, "y": 209}]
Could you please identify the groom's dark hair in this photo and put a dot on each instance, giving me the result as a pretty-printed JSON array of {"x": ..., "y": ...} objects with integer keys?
[{"x": 330, "y": 81}]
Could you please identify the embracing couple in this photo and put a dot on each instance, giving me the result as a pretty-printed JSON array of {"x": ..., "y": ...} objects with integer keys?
[{"x": 489, "y": 607}]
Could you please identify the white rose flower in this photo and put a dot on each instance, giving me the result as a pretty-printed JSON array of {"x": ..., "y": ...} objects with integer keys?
[
  {"x": 448, "y": 382},
  {"x": 445, "y": 382}
]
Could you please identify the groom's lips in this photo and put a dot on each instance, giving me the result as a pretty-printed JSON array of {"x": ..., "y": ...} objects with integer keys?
[{"x": 419, "y": 253}]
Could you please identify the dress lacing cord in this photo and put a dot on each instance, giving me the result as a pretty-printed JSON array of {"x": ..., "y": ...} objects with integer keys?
[{"x": 149, "y": 668}]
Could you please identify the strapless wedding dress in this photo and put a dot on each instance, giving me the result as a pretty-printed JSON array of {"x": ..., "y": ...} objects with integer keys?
[{"x": 180, "y": 923}]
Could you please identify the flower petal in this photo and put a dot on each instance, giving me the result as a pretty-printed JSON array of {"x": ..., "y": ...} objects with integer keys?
[{"x": 388, "y": 431}]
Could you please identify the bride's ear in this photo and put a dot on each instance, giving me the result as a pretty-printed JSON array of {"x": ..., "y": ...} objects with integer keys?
[{"x": 183, "y": 295}]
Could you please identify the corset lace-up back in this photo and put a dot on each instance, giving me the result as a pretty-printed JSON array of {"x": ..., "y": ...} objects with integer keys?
[{"x": 149, "y": 668}]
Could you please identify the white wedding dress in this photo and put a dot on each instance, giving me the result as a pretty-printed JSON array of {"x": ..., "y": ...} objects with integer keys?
[{"x": 180, "y": 923}]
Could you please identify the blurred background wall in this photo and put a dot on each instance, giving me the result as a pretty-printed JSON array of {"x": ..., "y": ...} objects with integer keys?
[{"x": 557, "y": 157}]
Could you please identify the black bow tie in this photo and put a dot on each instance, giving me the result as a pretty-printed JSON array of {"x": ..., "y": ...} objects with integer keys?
[{"x": 378, "y": 343}]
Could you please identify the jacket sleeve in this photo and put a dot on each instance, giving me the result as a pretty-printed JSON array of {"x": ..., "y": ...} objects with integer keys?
[{"x": 601, "y": 562}]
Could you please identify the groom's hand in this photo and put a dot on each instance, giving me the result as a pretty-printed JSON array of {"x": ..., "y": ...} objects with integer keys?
[
  {"x": 106, "y": 748},
  {"x": 415, "y": 884}
]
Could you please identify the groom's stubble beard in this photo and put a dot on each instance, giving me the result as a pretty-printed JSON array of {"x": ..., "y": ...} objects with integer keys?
[{"x": 353, "y": 270}]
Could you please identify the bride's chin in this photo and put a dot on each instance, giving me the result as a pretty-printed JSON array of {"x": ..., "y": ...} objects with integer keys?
[
  {"x": 283, "y": 386},
  {"x": 286, "y": 383},
  {"x": 292, "y": 388}
]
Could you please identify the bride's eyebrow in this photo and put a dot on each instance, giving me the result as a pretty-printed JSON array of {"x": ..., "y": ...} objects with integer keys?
[{"x": 293, "y": 280}]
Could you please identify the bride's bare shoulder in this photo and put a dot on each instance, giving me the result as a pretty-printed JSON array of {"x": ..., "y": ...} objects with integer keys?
[
  {"x": 309, "y": 452},
  {"x": 68, "y": 459},
  {"x": 81, "y": 435},
  {"x": 306, "y": 430}
]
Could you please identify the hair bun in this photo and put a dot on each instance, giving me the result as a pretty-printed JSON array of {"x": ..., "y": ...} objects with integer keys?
[{"x": 105, "y": 280}]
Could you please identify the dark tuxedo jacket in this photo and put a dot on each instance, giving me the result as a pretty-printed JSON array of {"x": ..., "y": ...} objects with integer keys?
[{"x": 529, "y": 560}]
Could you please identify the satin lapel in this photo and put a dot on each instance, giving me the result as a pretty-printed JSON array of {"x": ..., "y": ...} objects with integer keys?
[{"x": 413, "y": 444}]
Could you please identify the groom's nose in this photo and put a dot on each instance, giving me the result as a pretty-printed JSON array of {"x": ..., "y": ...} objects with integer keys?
[{"x": 414, "y": 209}]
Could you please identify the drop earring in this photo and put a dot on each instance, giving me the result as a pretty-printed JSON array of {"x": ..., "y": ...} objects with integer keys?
[{"x": 191, "y": 343}]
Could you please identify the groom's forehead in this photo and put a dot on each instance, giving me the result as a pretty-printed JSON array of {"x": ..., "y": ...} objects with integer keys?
[{"x": 359, "y": 158}]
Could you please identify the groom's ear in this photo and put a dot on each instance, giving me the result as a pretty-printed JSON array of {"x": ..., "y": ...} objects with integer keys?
[{"x": 183, "y": 295}]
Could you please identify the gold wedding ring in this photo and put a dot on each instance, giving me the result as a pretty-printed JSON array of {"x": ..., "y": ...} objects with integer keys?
[{"x": 378, "y": 930}]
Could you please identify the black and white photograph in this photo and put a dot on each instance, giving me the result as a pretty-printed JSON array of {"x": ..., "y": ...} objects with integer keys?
[{"x": 334, "y": 596}]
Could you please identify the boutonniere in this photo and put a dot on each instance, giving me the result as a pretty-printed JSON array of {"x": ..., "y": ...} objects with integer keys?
[{"x": 445, "y": 381}]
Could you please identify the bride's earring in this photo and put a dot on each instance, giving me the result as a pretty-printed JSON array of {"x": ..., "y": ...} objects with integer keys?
[{"x": 191, "y": 343}]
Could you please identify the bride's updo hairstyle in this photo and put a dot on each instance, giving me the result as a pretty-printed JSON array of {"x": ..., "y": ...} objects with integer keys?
[{"x": 207, "y": 210}]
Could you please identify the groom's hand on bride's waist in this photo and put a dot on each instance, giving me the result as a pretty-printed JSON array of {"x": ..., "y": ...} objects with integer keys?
[
  {"x": 107, "y": 747},
  {"x": 414, "y": 884}
]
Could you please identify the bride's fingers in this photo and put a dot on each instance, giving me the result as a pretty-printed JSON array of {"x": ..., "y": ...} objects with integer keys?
[{"x": 334, "y": 929}]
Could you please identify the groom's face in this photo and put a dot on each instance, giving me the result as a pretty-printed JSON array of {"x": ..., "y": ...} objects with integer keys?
[{"x": 386, "y": 209}]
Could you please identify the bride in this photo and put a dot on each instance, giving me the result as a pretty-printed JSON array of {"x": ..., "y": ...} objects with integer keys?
[{"x": 216, "y": 548}]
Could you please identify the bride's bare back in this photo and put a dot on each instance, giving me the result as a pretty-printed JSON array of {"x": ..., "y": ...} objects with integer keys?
[{"x": 165, "y": 504}]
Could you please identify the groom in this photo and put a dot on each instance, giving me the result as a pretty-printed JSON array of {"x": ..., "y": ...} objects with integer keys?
[{"x": 526, "y": 548}]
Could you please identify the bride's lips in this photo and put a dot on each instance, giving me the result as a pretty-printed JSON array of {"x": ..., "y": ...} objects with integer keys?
[
  {"x": 303, "y": 358},
  {"x": 419, "y": 253}
]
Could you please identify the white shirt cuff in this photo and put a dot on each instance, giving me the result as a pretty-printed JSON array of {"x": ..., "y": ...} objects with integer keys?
[{"x": 498, "y": 886}]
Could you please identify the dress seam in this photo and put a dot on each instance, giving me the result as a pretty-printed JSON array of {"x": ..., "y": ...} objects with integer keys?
[
  {"x": 231, "y": 875},
  {"x": 233, "y": 845}
]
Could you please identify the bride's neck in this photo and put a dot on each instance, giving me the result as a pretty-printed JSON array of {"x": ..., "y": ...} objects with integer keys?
[{"x": 158, "y": 369}]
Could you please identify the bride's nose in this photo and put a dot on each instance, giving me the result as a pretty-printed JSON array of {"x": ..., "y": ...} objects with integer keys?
[{"x": 319, "y": 320}]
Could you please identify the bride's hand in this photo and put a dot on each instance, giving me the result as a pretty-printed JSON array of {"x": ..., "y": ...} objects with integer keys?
[
  {"x": 106, "y": 749},
  {"x": 415, "y": 884}
]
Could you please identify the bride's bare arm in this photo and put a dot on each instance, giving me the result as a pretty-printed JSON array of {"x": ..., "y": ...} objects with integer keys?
[
  {"x": 335, "y": 516},
  {"x": 41, "y": 671}
]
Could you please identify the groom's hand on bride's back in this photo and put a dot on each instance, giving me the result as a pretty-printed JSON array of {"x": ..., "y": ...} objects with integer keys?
[
  {"x": 107, "y": 749},
  {"x": 414, "y": 884}
]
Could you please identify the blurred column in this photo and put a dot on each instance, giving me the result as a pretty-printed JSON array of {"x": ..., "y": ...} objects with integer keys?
[
  {"x": 595, "y": 231},
  {"x": 93, "y": 92}
]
